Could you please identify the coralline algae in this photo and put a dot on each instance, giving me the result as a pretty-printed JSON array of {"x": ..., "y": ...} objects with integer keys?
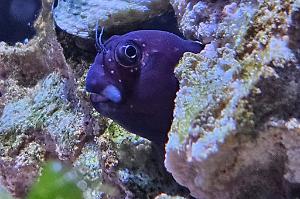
[{"x": 226, "y": 96}]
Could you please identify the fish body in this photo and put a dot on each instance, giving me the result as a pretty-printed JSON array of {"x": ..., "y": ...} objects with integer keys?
[{"x": 132, "y": 80}]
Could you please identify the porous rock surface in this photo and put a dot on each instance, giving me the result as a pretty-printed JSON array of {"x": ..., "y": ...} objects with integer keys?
[
  {"x": 45, "y": 115},
  {"x": 165, "y": 196},
  {"x": 79, "y": 17},
  {"x": 235, "y": 133}
]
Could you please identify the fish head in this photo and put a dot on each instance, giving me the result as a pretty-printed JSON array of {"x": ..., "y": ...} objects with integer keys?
[{"x": 132, "y": 81}]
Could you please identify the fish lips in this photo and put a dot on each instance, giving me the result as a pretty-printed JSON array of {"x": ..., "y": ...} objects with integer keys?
[
  {"x": 103, "y": 105},
  {"x": 98, "y": 98}
]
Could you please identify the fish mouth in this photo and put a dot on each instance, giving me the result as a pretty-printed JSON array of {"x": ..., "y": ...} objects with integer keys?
[{"x": 98, "y": 98}]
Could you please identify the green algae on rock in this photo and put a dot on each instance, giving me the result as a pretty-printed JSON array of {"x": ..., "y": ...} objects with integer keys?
[
  {"x": 88, "y": 166},
  {"x": 129, "y": 165},
  {"x": 79, "y": 18},
  {"x": 36, "y": 127},
  {"x": 24, "y": 145},
  {"x": 49, "y": 110},
  {"x": 245, "y": 77}
]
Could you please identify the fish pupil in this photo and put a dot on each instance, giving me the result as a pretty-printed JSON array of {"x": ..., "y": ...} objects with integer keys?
[{"x": 130, "y": 51}]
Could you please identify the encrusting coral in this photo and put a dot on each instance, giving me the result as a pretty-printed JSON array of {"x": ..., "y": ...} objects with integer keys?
[{"x": 221, "y": 144}]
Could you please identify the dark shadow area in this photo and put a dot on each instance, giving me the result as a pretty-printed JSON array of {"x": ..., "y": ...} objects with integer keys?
[
  {"x": 279, "y": 97},
  {"x": 294, "y": 34},
  {"x": 262, "y": 181},
  {"x": 165, "y": 22},
  {"x": 294, "y": 191},
  {"x": 17, "y": 19}
]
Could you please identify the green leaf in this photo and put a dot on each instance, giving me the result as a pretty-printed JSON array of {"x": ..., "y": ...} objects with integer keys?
[{"x": 56, "y": 182}]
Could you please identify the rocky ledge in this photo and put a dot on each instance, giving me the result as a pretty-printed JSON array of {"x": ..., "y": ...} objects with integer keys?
[{"x": 235, "y": 132}]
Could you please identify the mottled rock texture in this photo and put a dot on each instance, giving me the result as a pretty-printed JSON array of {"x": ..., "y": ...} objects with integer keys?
[
  {"x": 79, "y": 17},
  {"x": 24, "y": 105},
  {"x": 45, "y": 115},
  {"x": 235, "y": 133},
  {"x": 164, "y": 196}
]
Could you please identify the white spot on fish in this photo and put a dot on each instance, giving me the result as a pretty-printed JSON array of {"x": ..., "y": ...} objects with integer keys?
[
  {"x": 112, "y": 71},
  {"x": 120, "y": 80},
  {"x": 144, "y": 45},
  {"x": 110, "y": 60}
]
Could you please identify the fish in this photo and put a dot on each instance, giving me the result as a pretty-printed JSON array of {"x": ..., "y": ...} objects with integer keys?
[{"x": 132, "y": 80}]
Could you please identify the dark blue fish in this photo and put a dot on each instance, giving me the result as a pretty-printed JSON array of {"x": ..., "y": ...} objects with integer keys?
[{"x": 132, "y": 80}]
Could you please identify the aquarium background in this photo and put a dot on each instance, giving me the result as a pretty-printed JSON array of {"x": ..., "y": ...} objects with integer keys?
[{"x": 235, "y": 132}]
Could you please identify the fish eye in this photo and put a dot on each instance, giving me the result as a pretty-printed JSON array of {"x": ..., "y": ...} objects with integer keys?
[{"x": 128, "y": 54}]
